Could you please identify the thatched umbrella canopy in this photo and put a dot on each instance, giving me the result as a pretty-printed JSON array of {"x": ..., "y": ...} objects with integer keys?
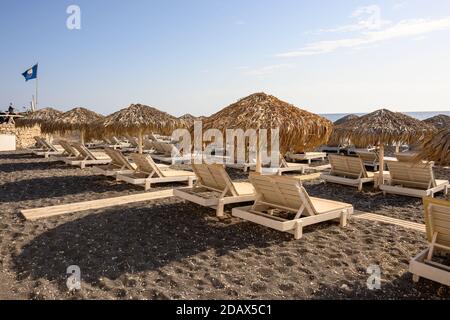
[
  {"x": 138, "y": 119},
  {"x": 38, "y": 117},
  {"x": 436, "y": 148},
  {"x": 441, "y": 121},
  {"x": 334, "y": 139},
  {"x": 383, "y": 127},
  {"x": 188, "y": 119},
  {"x": 77, "y": 119},
  {"x": 345, "y": 119},
  {"x": 299, "y": 130}
]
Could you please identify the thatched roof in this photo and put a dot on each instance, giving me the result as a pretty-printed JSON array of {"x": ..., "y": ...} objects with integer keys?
[
  {"x": 188, "y": 119},
  {"x": 75, "y": 119},
  {"x": 300, "y": 130},
  {"x": 38, "y": 117},
  {"x": 383, "y": 126},
  {"x": 440, "y": 121},
  {"x": 345, "y": 119},
  {"x": 334, "y": 139},
  {"x": 436, "y": 148},
  {"x": 139, "y": 117}
]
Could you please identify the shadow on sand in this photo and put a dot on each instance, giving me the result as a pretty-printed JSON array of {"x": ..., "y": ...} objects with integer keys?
[
  {"x": 114, "y": 242},
  {"x": 51, "y": 187}
]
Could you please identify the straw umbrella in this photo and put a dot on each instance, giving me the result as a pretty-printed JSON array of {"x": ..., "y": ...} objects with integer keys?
[
  {"x": 138, "y": 119},
  {"x": 440, "y": 121},
  {"x": 383, "y": 127},
  {"x": 38, "y": 117},
  {"x": 345, "y": 119},
  {"x": 436, "y": 148},
  {"x": 300, "y": 130},
  {"x": 77, "y": 119},
  {"x": 334, "y": 139},
  {"x": 188, "y": 119}
]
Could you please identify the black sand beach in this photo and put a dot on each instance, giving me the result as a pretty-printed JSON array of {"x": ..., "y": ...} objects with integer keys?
[{"x": 169, "y": 249}]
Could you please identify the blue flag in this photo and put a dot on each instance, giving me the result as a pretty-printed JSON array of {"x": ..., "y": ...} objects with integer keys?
[{"x": 31, "y": 73}]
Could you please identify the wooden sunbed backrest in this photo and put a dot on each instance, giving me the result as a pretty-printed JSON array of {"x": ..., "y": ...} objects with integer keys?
[
  {"x": 133, "y": 141},
  {"x": 116, "y": 160},
  {"x": 39, "y": 141},
  {"x": 405, "y": 156},
  {"x": 368, "y": 156},
  {"x": 348, "y": 166},
  {"x": 46, "y": 144},
  {"x": 146, "y": 164},
  {"x": 414, "y": 175},
  {"x": 158, "y": 147},
  {"x": 71, "y": 151},
  {"x": 124, "y": 160},
  {"x": 281, "y": 192},
  {"x": 214, "y": 177},
  {"x": 437, "y": 219},
  {"x": 51, "y": 146},
  {"x": 85, "y": 152},
  {"x": 170, "y": 149},
  {"x": 148, "y": 144}
]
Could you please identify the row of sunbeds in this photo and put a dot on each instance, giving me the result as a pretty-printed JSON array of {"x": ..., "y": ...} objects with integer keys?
[
  {"x": 403, "y": 178},
  {"x": 280, "y": 202}
]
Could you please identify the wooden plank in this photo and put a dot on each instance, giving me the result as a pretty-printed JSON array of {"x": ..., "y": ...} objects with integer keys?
[
  {"x": 45, "y": 212},
  {"x": 388, "y": 220}
]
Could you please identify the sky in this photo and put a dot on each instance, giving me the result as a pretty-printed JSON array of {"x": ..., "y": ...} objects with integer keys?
[{"x": 198, "y": 56}]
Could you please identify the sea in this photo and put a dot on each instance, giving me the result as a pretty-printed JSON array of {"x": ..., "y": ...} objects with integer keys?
[{"x": 418, "y": 115}]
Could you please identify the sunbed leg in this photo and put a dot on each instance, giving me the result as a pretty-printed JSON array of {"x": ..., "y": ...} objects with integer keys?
[
  {"x": 344, "y": 215},
  {"x": 360, "y": 186},
  {"x": 147, "y": 185},
  {"x": 415, "y": 278},
  {"x": 191, "y": 182},
  {"x": 82, "y": 165},
  {"x": 298, "y": 230},
  {"x": 220, "y": 208}
]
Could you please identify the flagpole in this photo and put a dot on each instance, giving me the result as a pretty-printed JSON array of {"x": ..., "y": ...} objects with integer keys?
[{"x": 36, "y": 101}]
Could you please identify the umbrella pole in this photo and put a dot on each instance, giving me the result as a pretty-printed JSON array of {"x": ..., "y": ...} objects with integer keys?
[
  {"x": 258, "y": 156},
  {"x": 381, "y": 167},
  {"x": 82, "y": 137},
  {"x": 140, "y": 141}
]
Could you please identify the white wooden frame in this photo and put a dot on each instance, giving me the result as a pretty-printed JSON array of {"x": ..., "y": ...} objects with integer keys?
[
  {"x": 227, "y": 195},
  {"x": 152, "y": 175},
  {"x": 293, "y": 226},
  {"x": 308, "y": 156},
  {"x": 342, "y": 177},
  {"x": 433, "y": 187}
]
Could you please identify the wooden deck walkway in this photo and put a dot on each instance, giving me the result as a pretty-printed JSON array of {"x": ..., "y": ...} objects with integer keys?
[
  {"x": 384, "y": 219},
  {"x": 45, "y": 212}
]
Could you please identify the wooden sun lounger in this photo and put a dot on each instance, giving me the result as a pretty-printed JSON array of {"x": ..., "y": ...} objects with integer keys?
[
  {"x": 50, "y": 149},
  {"x": 39, "y": 144},
  {"x": 412, "y": 179},
  {"x": 437, "y": 221},
  {"x": 308, "y": 156},
  {"x": 369, "y": 159},
  {"x": 88, "y": 157},
  {"x": 70, "y": 153},
  {"x": 148, "y": 172},
  {"x": 276, "y": 194},
  {"x": 119, "y": 164},
  {"x": 347, "y": 171},
  {"x": 168, "y": 153},
  {"x": 215, "y": 189}
]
